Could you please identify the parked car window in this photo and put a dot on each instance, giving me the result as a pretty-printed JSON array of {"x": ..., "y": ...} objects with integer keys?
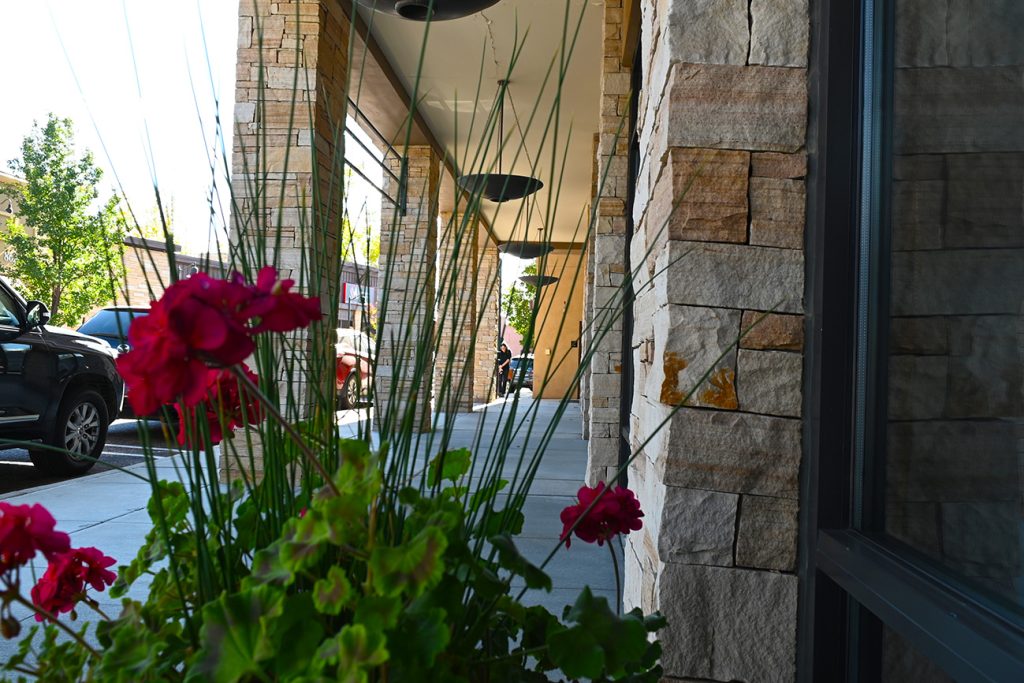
[
  {"x": 110, "y": 323},
  {"x": 7, "y": 310}
]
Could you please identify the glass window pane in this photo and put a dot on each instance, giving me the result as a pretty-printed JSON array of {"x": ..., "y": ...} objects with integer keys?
[
  {"x": 901, "y": 663},
  {"x": 955, "y": 456}
]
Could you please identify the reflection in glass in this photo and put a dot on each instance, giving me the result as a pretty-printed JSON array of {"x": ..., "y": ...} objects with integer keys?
[{"x": 955, "y": 456}]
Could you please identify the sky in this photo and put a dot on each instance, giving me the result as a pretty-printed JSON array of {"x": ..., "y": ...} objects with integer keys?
[{"x": 143, "y": 82}]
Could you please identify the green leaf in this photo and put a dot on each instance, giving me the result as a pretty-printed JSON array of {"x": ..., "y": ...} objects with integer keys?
[
  {"x": 356, "y": 650},
  {"x": 422, "y": 636},
  {"x": 296, "y": 634},
  {"x": 511, "y": 559},
  {"x": 409, "y": 568},
  {"x": 235, "y": 637},
  {"x": 333, "y": 593},
  {"x": 486, "y": 494},
  {"x": 377, "y": 613},
  {"x": 450, "y": 466}
]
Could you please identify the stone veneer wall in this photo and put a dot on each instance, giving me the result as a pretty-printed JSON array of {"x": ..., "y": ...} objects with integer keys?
[
  {"x": 290, "y": 94},
  {"x": 607, "y": 249},
  {"x": 486, "y": 296},
  {"x": 408, "y": 259},
  {"x": 457, "y": 266},
  {"x": 722, "y": 121}
]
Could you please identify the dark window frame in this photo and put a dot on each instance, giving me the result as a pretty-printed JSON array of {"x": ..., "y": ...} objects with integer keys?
[{"x": 854, "y": 581}]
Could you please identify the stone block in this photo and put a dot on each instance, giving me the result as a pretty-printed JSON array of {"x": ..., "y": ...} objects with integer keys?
[
  {"x": 921, "y": 33},
  {"x": 732, "y": 276},
  {"x": 986, "y": 377},
  {"x": 962, "y": 111},
  {"x": 690, "y": 341},
  {"x": 702, "y": 195},
  {"x": 917, "y": 387},
  {"x": 728, "y": 624},
  {"x": 777, "y": 165},
  {"x": 772, "y": 331},
  {"x": 767, "y": 533},
  {"x": 916, "y": 524},
  {"x": 777, "y": 209},
  {"x": 983, "y": 200},
  {"x": 960, "y": 281},
  {"x": 708, "y": 31},
  {"x": 757, "y": 108},
  {"x": 985, "y": 32},
  {"x": 978, "y": 537},
  {"x": 697, "y": 527},
  {"x": 917, "y": 214},
  {"x": 951, "y": 460},
  {"x": 919, "y": 336},
  {"x": 779, "y": 32},
  {"x": 732, "y": 452},
  {"x": 770, "y": 382}
]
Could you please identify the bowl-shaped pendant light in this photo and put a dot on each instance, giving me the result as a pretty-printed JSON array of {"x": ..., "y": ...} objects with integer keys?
[
  {"x": 500, "y": 187},
  {"x": 421, "y": 10},
  {"x": 538, "y": 280},
  {"x": 525, "y": 250}
]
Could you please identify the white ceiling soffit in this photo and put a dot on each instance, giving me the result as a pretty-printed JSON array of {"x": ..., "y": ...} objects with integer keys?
[{"x": 463, "y": 56}]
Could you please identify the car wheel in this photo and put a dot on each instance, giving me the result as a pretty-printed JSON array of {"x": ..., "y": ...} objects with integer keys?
[
  {"x": 348, "y": 397},
  {"x": 80, "y": 430}
]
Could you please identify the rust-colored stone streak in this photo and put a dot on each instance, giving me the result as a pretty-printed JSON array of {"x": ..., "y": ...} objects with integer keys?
[
  {"x": 722, "y": 392},
  {"x": 670, "y": 393}
]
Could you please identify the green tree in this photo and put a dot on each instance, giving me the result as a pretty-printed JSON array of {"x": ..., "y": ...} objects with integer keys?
[
  {"x": 69, "y": 254},
  {"x": 518, "y": 304},
  {"x": 360, "y": 243}
]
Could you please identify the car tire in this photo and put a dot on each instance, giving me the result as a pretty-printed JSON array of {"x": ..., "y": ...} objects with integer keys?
[
  {"x": 80, "y": 429},
  {"x": 348, "y": 397}
]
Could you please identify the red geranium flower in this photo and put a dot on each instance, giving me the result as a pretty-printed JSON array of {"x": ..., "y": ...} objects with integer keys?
[
  {"x": 277, "y": 309},
  {"x": 25, "y": 530},
  {"x": 205, "y": 321},
  {"x": 617, "y": 512},
  {"x": 63, "y": 585},
  {"x": 223, "y": 399}
]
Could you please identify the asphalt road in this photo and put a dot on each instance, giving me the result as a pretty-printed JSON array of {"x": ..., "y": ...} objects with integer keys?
[{"x": 124, "y": 447}]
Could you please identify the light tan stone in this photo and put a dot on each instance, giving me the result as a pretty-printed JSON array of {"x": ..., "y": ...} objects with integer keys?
[
  {"x": 755, "y": 108},
  {"x": 777, "y": 208},
  {"x": 702, "y": 195},
  {"x": 767, "y": 533}
]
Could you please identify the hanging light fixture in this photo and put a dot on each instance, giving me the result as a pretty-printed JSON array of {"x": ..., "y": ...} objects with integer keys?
[
  {"x": 422, "y": 10},
  {"x": 538, "y": 281},
  {"x": 525, "y": 250},
  {"x": 500, "y": 187}
]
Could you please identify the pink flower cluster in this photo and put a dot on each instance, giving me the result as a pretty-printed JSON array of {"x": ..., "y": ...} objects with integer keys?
[
  {"x": 617, "y": 512},
  {"x": 201, "y": 322},
  {"x": 29, "y": 529}
]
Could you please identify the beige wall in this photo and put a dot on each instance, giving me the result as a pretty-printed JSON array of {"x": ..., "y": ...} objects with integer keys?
[{"x": 560, "y": 312}]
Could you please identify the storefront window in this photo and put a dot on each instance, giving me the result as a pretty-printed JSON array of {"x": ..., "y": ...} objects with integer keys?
[{"x": 954, "y": 468}]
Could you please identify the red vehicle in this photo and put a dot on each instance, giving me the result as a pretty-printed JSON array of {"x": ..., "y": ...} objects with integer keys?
[{"x": 354, "y": 367}]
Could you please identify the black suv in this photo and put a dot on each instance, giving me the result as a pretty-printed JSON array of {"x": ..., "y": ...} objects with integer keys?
[{"x": 57, "y": 387}]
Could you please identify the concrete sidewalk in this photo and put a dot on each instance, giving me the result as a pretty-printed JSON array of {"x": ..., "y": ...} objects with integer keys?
[{"x": 108, "y": 510}]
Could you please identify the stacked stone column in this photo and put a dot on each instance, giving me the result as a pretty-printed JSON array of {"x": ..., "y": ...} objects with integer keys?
[
  {"x": 456, "y": 312},
  {"x": 408, "y": 256},
  {"x": 720, "y": 207},
  {"x": 486, "y": 295},
  {"x": 290, "y": 97},
  {"x": 605, "y": 262}
]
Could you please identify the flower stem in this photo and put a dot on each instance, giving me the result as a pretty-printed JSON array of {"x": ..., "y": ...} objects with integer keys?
[
  {"x": 618, "y": 581},
  {"x": 59, "y": 624},
  {"x": 296, "y": 437}
]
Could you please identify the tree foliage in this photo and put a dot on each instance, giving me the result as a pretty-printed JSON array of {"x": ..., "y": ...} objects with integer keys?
[
  {"x": 67, "y": 253},
  {"x": 518, "y": 304}
]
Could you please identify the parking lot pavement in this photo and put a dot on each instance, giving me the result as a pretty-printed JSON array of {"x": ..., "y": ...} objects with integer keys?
[{"x": 124, "y": 448}]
